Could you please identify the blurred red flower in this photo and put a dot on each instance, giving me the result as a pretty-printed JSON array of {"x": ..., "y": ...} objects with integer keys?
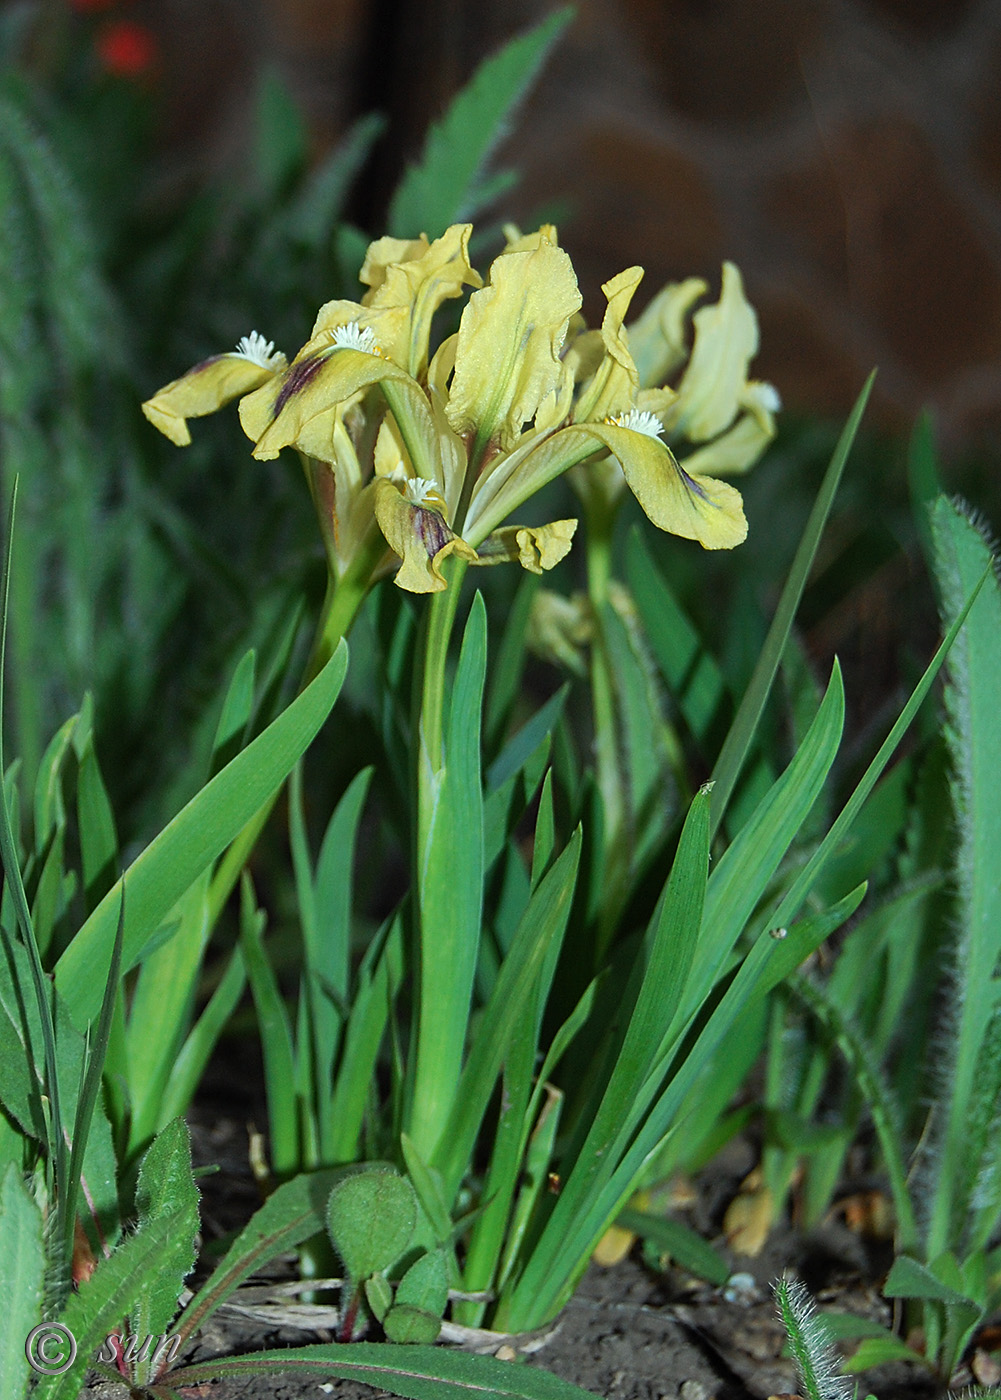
[{"x": 126, "y": 49}]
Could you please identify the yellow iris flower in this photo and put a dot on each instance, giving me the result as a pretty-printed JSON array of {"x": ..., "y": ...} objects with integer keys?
[{"x": 440, "y": 449}]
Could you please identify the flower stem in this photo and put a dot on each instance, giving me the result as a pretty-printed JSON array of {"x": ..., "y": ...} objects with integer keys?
[
  {"x": 437, "y": 1061},
  {"x": 343, "y": 599},
  {"x": 600, "y": 516}
]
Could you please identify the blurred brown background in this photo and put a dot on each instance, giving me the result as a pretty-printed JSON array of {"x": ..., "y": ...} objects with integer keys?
[{"x": 846, "y": 153}]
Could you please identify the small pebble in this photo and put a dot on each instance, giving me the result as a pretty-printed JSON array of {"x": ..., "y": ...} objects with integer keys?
[
  {"x": 741, "y": 1288},
  {"x": 986, "y": 1370}
]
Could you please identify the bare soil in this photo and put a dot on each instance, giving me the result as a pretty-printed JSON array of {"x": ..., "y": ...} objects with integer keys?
[{"x": 630, "y": 1333}]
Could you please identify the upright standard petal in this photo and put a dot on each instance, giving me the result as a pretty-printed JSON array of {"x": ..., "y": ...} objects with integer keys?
[
  {"x": 616, "y": 380},
  {"x": 508, "y": 355},
  {"x": 211, "y": 384},
  {"x": 737, "y": 450},
  {"x": 658, "y": 339},
  {"x": 420, "y": 284},
  {"x": 517, "y": 242},
  {"x": 726, "y": 340},
  {"x": 382, "y": 254}
]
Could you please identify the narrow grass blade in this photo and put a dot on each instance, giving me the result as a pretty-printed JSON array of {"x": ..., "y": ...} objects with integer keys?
[
  {"x": 202, "y": 1038},
  {"x": 96, "y": 825},
  {"x": 94, "y": 1056},
  {"x": 328, "y": 949},
  {"x": 866, "y": 1074},
  {"x": 57, "y": 1154},
  {"x": 525, "y": 1133},
  {"x": 234, "y": 717},
  {"x": 490, "y": 1230},
  {"x": 505, "y": 806},
  {"x": 379, "y": 982},
  {"x": 505, "y": 678},
  {"x": 800, "y": 889},
  {"x": 276, "y": 1038},
  {"x": 569, "y": 1239},
  {"x": 160, "y": 1007},
  {"x": 534, "y": 1181},
  {"x": 658, "y": 983},
  {"x": 540, "y": 931},
  {"x": 683, "y": 1245},
  {"x": 545, "y": 831},
  {"x": 923, "y": 479},
  {"x": 692, "y": 675},
  {"x": 49, "y": 807},
  {"x": 526, "y": 741},
  {"x": 748, "y": 866},
  {"x": 742, "y": 731},
  {"x": 158, "y": 877}
]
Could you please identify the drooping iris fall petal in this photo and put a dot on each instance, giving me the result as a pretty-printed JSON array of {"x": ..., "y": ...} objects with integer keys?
[
  {"x": 212, "y": 384},
  {"x": 415, "y": 529}
]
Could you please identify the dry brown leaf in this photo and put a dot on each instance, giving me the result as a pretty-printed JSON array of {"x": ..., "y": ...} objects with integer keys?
[{"x": 748, "y": 1219}]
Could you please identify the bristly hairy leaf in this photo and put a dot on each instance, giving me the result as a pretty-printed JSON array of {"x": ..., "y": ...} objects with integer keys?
[
  {"x": 971, "y": 1083},
  {"x": 447, "y": 184},
  {"x": 292, "y": 1213},
  {"x": 814, "y": 1357},
  {"x": 416, "y": 1372},
  {"x": 99, "y": 1308},
  {"x": 166, "y": 1188},
  {"x": 21, "y": 1280}
]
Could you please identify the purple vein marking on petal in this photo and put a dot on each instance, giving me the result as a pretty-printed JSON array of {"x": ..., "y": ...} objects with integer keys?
[
  {"x": 433, "y": 532},
  {"x": 296, "y": 379},
  {"x": 204, "y": 364},
  {"x": 694, "y": 487}
]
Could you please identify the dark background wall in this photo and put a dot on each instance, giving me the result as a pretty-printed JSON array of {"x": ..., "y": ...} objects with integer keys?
[{"x": 846, "y": 153}]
